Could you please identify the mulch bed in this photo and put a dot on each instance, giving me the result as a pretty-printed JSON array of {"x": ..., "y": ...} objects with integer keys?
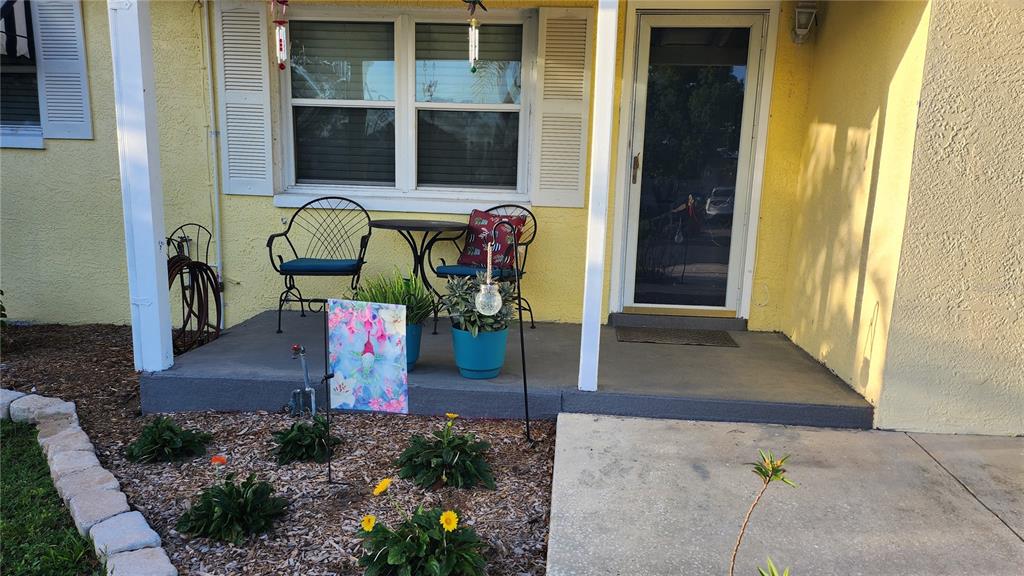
[{"x": 92, "y": 365}]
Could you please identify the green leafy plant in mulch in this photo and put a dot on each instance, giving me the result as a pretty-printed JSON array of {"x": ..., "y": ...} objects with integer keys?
[
  {"x": 425, "y": 542},
  {"x": 305, "y": 442},
  {"x": 768, "y": 469},
  {"x": 37, "y": 536},
  {"x": 395, "y": 289},
  {"x": 162, "y": 440},
  {"x": 446, "y": 459},
  {"x": 460, "y": 301},
  {"x": 230, "y": 512}
]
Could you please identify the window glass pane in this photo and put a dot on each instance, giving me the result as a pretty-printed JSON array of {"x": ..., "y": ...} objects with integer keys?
[
  {"x": 19, "y": 91},
  {"x": 345, "y": 145},
  {"x": 442, "y": 64},
  {"x": 343, "y": 60},
  {"x": 467, "y": 149}
]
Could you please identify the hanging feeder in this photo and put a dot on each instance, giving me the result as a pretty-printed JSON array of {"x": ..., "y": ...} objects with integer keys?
[
  {"x": 488, "y": 300},
  {"x": 277, "y": 12},
  {"x": 474, "y": 43}
]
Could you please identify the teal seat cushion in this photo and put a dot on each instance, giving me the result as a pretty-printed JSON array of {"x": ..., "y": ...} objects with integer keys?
[
  {"x": 320, "y": 267},
  {"x": 463, "y": 270}
]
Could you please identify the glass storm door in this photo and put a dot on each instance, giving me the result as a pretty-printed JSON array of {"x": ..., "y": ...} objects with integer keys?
[{"x": 690, "y": 166}]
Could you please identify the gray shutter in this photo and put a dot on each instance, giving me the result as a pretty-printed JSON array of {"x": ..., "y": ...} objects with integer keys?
[
  {"x": 244, "y": 94},
  {"x": 60, "y": 67},
  {"x": 562, "y": 106}
]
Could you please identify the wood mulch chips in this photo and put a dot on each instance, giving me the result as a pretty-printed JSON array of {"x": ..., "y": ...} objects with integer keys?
[{"x": 92, "y": 365}]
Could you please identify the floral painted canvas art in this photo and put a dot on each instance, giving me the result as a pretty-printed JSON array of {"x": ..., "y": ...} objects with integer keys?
[{"x": 366, "y": 343}]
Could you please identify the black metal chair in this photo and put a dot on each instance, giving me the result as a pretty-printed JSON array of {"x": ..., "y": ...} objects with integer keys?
[
  {"x": 325, "y": 237},
  {"x": 507, "y": 272}
]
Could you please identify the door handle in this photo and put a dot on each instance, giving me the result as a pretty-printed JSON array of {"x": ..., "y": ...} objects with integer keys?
[{"x": 636, "y": 166}]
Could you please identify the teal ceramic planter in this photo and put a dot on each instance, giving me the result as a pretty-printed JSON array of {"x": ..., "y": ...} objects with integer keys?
[
  {"x": 481, "y": 357},
  {"x": 413, "y": 334}
]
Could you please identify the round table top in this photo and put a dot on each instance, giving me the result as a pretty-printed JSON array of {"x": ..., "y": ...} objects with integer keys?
[{"x": 420, "y": 225}]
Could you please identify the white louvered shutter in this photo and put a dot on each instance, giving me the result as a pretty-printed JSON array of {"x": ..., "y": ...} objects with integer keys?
[
  {"x": 60, "y": 69},
  {"x": 244, "y": 94},
  {"x": 560, "y": 121}
]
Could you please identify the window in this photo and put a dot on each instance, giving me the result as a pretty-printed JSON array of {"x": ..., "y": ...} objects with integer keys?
[
  {"x": 44, "y": 89},
  {"x": 394, "y": 104},
  {"x": 467, "y": 123},
  {"x": 343, "y": 102},
  {"x": 19, "y": 89}
]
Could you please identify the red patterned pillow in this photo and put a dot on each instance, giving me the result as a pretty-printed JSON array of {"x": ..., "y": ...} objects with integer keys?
[{"x": 481, "y": 226}]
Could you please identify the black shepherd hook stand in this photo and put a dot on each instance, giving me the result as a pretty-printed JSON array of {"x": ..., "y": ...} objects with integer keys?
[
  {"x": 519, "y": 305},
  {"x": 328, "y": 375}
]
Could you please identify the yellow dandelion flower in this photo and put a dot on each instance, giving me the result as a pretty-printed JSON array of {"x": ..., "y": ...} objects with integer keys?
[
  {"x": 451, "y": 415},
  {"x": 449, "y": 520},
  {"x": 368, "y": 522},
  {"x": 382, "y": 487}
]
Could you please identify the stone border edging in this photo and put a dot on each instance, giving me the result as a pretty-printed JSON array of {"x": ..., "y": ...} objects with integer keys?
[{"x": 121, "y": 537}]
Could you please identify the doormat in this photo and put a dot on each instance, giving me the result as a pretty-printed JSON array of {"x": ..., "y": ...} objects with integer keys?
[{"x": 674, "y": 336}]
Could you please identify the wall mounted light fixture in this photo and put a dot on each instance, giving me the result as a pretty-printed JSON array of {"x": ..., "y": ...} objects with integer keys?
[{"x": 804, "y": 20}]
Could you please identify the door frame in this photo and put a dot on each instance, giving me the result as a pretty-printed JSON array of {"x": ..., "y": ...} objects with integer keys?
[{"x": 627, "y": 109}]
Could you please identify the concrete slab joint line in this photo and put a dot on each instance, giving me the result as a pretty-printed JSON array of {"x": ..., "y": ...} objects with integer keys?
[{"x": 122, "y": 538}]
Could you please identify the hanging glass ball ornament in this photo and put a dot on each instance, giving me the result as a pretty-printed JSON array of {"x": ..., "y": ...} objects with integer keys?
[{"x": 488, "y": 300}]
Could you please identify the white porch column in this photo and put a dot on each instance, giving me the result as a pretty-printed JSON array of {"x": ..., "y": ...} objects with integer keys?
[
  {"x": 131, "y": 47},
  {"x": 600, "y": 175}
]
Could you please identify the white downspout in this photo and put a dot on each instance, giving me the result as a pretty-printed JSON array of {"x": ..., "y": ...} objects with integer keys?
[
  {"x": 212, "y": 137},
  {"x": 600, "y": 177}
]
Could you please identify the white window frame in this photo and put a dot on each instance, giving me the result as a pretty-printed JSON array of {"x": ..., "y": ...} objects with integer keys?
[
  {"x": 25, "y": 135},
  {"x": 405, "y": 195}
]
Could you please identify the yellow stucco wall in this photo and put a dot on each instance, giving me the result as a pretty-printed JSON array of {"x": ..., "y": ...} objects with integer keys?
[
  {"x": 850, "y": 201},
  {"x": 61, "y": 234},
  {"x": 956, "y": 345}
]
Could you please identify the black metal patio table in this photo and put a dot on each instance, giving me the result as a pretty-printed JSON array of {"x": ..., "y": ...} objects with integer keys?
[{"x": 432, "y": 231}]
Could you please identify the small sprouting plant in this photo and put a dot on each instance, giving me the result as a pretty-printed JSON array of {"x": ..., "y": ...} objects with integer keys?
[
  {"x": 771, "y": 570},
  {"x": 305, "y": 442},
  {"x": 769, "y": 469},
  {"x": 162, "y": 440},
  {"x": 424, "y": 542},
  {"x": 229, "y": 512},
  {"x": 447, "y": 459}
]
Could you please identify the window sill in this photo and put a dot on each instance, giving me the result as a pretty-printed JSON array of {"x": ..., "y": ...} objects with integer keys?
[
  {"x": 30, "y": 137},
  {"x": 383, "y": 199}
]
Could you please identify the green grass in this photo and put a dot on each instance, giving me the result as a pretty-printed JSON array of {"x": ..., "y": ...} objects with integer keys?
[{"x": 37, "y": 535}]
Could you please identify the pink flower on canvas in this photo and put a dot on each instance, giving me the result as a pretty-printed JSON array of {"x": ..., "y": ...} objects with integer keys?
[
  {"x": 395, "y": 405},
  {"x": 377, "y": 404},
  {"x": 382, "y": 335},
  {"x": 335, "y": 319}
]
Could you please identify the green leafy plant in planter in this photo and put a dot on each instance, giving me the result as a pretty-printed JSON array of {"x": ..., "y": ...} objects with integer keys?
[
  {"x": 447, "y": 459},
  {"x": 230, "y": 512},
  {"x": 426, "y": 542},
  {"x": 162, "y": 440},
  {"x": 417, "y": 299},
  {"x": 305, "y": 442},
  {"x": 479, "y": 340}
]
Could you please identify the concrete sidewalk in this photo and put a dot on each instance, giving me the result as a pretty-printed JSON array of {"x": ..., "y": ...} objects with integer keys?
[{"x": 649, "y": 497}]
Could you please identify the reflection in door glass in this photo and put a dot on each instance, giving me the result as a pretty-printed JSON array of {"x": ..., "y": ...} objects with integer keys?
[{"x": 695, "y": 85}]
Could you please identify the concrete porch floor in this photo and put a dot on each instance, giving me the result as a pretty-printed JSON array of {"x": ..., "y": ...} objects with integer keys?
[
  {"x": 765, "y": 379},
  {"x": 636, "y": 496}
]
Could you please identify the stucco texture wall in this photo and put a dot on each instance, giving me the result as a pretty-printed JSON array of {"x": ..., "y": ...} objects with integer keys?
[
  {"x": 61, "y": 234},
  {"x": 956, "y": 343},
  {"x": 853, "y": 176}
]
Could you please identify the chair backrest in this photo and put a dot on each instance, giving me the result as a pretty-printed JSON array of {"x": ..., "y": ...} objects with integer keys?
[
  {"x": 529, "y": 227},
  {"x": 332, "y": 228},
  {"x": 191, "y": 240}
]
